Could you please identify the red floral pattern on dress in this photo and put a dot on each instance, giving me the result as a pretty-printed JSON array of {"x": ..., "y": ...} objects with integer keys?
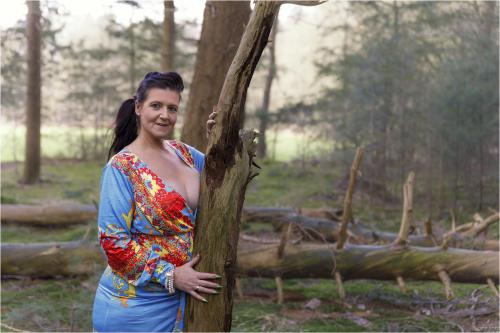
[
  {"x": 184, "y": 150},
  {"x": 154, "y": 205},
  {"x": 166, "y": 211},
  {"x": 127, "y": 260},
  {"x": 171, "y": 249}
]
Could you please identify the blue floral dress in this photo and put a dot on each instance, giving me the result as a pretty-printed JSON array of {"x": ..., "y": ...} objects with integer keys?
[{"x": 145, "y": 230}]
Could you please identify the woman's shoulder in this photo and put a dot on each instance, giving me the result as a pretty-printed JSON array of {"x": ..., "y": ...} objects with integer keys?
[
  {"x": 122, "y": 161},
  {"x": 190, "y": 153},
  {"x": 184, "y": 147}
]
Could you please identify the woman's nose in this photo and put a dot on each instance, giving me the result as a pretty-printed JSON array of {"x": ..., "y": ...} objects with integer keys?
[{"x": 164, "y": 113}]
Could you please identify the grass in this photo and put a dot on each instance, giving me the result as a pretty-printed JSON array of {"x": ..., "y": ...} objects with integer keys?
[
  {"x": 379, "y": 302},
  {"x": 56, "y": 141},
  {"x": 24, "y": 234},
  {"x": 61, "y": 181},
  {"x": 48, "y": 305},
  {"x": 65, "y": 142},
  {"x": 66, "y": 304}
]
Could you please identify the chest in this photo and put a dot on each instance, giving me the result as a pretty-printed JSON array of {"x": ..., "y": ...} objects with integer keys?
[{"x": 176, "y": 174}]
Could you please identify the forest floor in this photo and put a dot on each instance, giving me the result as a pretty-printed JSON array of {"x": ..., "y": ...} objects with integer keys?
[{"x": 65, "y": 304}]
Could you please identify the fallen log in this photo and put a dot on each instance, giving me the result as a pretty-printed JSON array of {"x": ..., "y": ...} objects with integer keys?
[
  {"x": 280, "y": 214},
  {"x": 359, "y": 234},
  {"x": 322, "y": 221},
  {"x": 311, "y": 260},
  {"x": 53, "y": 259},
  {"x": 68, "y": 214},
  {"x": 306, "y": 260},
  {"x": 48, "y": 215},
  {"x": 330, "y": 230}
]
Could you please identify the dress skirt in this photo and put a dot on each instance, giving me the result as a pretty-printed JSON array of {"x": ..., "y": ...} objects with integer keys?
[{"x": 151, "y": 309}]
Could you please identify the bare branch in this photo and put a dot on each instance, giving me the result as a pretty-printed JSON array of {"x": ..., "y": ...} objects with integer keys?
[
  {"x": 308, "y": 3},
  {"x": 347, "y": 211}
]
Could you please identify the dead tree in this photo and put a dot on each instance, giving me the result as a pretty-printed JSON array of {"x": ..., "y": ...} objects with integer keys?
[
  {"x": 283, "y": 259},
  {"x": 227, "y": 172},
  {"x": 48, "y": 215}
]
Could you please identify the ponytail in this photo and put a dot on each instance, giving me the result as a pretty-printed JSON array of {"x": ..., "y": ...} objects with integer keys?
[{"x": 126, "y": 125}]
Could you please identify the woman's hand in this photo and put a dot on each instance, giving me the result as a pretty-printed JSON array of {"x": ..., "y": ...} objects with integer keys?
[
  {"x": 211, "y": 121},
  {"x": 192, "y": 282}
]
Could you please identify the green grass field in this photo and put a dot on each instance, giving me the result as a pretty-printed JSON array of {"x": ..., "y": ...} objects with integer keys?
[
  {"x": 64, "y": 142},
  {"x": 66, "y": 304}
]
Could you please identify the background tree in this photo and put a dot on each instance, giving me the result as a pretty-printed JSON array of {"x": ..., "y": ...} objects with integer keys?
[
  {"x": 414, "y": 85},
  {"x": 223, "y": 26},
  {"x": 33, "y": 94},
  {"x": 263, "y": 113},
  {"x": 168, "y": 41}
]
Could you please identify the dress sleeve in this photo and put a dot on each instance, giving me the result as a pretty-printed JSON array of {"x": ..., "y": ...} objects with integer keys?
[
  {"x": 198, "y": 158},
  {"x": 127, "y": 257}
]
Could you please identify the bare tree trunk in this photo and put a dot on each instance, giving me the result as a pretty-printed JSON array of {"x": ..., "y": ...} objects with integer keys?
[
  {"x": 226, "y": 174},
  {"x": 264, "y": 111},
  {"x": 168, "y": 37},
  {"x": 168, "y": 41},
  {"x": 33, "y": 98},
  {"x": 223, "y": 26}
]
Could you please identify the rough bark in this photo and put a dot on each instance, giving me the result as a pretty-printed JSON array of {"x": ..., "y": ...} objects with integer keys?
[
  {"x": 33, "y": 97},
  {"x": 223, "y": 26},
  {"x": 266, "y": 100},
  {"x": 54, "y": 215},
  {"x": 306, "y": 260},
  {"x": 226, "y": 174}
]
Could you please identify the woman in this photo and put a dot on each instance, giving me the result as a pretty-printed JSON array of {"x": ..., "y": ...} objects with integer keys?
[{"x": 148, "y": 200}]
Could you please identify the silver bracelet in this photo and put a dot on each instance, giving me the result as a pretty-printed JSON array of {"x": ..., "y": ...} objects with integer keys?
[{"x": 169, "y": 284}]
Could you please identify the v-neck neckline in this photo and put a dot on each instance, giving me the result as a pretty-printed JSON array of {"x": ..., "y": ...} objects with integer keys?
[{"x": 165, "y": 183}]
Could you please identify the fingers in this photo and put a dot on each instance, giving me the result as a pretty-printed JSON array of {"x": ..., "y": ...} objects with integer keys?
[
  {"x": 208, "y": 284},
  {"x": 202, "y": 275},
  {"x": 206, "y": 290},
  {"x": 212, "y": 115},
  {"x": 195, "y": 260},
  {"x": 210, "y": 123},
  {"x": 197, "y": 296}
]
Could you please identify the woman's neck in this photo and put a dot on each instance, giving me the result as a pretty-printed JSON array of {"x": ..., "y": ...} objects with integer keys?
[{"x": 147, "y": 143}]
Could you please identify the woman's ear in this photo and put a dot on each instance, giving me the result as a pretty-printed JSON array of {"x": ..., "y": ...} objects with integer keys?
[{"x": 137, "y": 108}]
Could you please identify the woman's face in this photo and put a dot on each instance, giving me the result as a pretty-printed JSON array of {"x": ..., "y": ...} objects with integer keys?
[{"x": 158, "y": 113}]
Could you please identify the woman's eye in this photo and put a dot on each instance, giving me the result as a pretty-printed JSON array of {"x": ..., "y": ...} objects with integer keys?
[
  {"x": 155, "y": 106},
  {"x": 172, "y": 109}
]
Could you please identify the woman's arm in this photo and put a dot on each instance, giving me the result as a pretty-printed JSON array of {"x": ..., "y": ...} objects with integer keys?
[{"x": 128, "y": 258}]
